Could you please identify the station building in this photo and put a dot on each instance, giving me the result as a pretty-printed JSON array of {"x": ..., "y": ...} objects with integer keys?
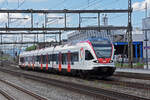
[
  {"x": 118, "y": 37},
  {"x": 146, "y": 33}
]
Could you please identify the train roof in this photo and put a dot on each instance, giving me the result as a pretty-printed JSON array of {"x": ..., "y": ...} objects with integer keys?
[
  {"x": 98, "y": 39},
  {"x": 65, "y": 47},
  {"x": 45, "y": 51}
]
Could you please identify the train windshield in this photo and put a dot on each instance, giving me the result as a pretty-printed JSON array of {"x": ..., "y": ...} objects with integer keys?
[{"x": 103, "y": 49}]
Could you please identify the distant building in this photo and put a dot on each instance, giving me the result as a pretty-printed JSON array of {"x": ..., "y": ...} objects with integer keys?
[
  {"x": 113, "y": 35},
  {"x": 146, "y": 25},
  {"x": 118, "y": 37}
]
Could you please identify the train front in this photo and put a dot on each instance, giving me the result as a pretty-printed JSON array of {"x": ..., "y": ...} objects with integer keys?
[{"x": 104, "y": 52}]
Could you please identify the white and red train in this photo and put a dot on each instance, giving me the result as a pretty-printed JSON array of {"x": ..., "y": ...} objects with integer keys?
[{"x": 94, "y": 56}]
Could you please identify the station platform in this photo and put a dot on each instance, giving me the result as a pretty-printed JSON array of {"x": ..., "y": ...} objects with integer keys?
[{"x": 130, "y": 70}]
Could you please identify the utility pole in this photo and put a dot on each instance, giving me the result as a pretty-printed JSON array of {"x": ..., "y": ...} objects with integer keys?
[
  {"x": 146, "y": 39},
  {"x": 130, "y": 46}
]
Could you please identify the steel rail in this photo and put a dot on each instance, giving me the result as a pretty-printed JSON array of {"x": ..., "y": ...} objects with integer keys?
[
  {"x": 128, "y": 84},
  {"x": 24, "y": 90},
  {"x": 132, "y": 75},
  {"x": 6, "y": 95},
  {"x": 96, "y": 92}
]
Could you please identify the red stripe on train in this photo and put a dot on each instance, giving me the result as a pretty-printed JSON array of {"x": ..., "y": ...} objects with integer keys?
[
  {"x": 60, "y": 62},
  {"x": 29, "y": 64},
  {"x": 32, "y": 62},
  {"x": 47, "y": 62},
  {"x": 69, "y": 65},
  {"x": 32, "y": 66},
  {"x": 41, "y": 63}
]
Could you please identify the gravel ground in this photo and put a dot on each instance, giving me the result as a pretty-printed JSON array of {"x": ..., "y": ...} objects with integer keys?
[
  {"x": 48, "y": 91},
  {"x": 94, "y": 83}
]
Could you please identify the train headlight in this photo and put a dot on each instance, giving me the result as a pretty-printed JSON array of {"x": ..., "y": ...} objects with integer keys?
[
  {"x": 111, "y": 61},
  {"x": 96, "y": 61}
]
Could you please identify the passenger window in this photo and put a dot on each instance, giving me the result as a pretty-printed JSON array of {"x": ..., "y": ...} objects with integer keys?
[
  {"x": 72, "y": 59},
  {"x": 33, "y": 59},
  {"x": 41, "y": 59},
  {"x": 57, "y": 58},
  {"x": 49, "y": 58},
  {"x": 88, "y": 55},
  {"x": 44, "y": 59},
  {"x": 26, "y": 59},
  {"x": 22, "y": 60},
  {"x": 64, "y": 58},
  {"x": 76, "y": 57},
  {"x": 54, "y": 57}
]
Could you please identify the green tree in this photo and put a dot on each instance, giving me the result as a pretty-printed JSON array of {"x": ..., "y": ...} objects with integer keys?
[{"x": 31, "y": 48}]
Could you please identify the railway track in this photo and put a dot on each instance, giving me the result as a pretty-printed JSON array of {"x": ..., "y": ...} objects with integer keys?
[
  {"x": 127, "y": 84},
  {"x": 83, "y": 89},
  {"x": 9, "y": 97},
  {"x": 132, "y": 75},
  {"x": 6, "y": 95}
]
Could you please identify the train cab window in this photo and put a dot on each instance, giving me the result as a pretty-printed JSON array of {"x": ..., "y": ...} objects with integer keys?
[{"x": 88, "y": 55}]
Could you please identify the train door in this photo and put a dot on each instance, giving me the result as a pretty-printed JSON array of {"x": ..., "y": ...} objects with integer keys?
[
  {"x": 88, "y": 59},
  {"x": 81, "y": 58}
]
